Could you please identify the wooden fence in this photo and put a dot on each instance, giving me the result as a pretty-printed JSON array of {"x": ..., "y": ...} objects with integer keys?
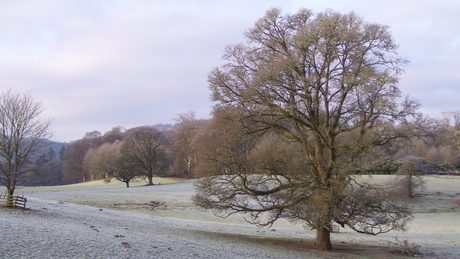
[{"x": 12, "y": 201}]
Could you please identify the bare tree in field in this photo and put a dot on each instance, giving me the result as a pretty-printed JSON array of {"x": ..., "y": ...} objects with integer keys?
[
  {"x": 145, "y": 148},
  {"x": 108, "y": 162},
  {"x": 409, "y": 176},
  {"x": 123, "y": 169},
  {"x": 22, "y": 136},
  {"x": 328, "y": 83}
]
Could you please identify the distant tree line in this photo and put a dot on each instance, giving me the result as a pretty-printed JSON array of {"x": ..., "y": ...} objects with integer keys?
[
  {"x": 186, "y": 148},
  {"x": 47, "y": 169},
  {"x": 146, "y": 151}
]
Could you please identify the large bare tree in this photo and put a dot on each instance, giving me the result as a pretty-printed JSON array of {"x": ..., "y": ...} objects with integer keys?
[
  {"x": 144, "y": 147},
  {"x": 327, "y": 83},
  {"x": 22, "y": 135}
]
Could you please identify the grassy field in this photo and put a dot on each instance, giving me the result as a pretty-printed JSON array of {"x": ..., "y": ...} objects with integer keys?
[{"x": 435, "y": 226}]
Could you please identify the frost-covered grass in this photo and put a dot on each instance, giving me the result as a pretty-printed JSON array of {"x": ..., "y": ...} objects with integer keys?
[{"x": 165, "y": 215}]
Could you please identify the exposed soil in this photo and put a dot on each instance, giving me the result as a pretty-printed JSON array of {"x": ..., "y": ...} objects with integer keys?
[{"x": 453, "y": 201}]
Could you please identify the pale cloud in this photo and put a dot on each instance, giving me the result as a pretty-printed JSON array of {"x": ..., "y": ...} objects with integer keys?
[{"x": 100, "y": 64}]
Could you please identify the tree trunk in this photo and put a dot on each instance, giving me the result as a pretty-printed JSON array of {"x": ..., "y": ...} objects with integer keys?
[
  {"x": 127, "y": 184},
  {"x": 150, "y": 180},
  {"x": 9, "y": 198},
  {"x": 409, "y": 186},
  {"x": 323, "y": 239},
  {"x": 10, "y": 191}
]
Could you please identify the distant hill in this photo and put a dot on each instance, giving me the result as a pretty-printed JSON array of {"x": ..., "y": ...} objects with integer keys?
[
  {"x": 161, "y": 126},
  {"x": 56, "y": 146}
]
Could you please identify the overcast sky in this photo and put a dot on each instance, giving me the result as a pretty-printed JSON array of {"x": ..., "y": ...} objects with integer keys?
[{"x": 99, "y": 64}]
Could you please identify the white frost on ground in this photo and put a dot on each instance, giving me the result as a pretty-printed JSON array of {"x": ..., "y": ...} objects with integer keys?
[
  {"x": 52, "y": 229},
  {"x": 160, "y": 221}
]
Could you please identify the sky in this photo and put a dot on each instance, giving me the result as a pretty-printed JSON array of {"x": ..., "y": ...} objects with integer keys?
[{"x": 99, "y": 64}]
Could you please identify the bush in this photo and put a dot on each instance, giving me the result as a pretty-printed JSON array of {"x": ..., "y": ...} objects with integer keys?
[
  {"x": 386, "y": 167},
  {"x": 405, "y": 248}
]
